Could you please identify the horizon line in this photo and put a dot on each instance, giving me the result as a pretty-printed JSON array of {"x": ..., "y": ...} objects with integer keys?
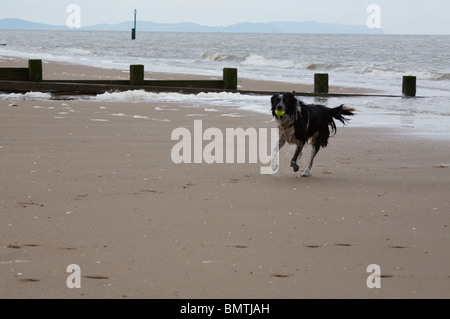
[{"x": 62, "y": 27}]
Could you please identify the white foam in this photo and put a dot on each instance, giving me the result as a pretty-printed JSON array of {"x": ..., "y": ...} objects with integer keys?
[
  {"x": 32, "y": 96},
  {"x": 216, "y": 98},
  {"x": 138, "y": 96},
  {"x": 195, "y": 114},
  {"x": 79, "y": 51},
  {"x": 231, "y": 115},
  {"x": 5, "y": 262},
  {"x": 258, "y": 60}
]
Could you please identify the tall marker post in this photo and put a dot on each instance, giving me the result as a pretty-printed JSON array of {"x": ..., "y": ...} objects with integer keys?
[{"x": 133, "y": 31}]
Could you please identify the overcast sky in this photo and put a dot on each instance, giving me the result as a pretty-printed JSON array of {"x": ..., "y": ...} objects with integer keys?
[{"x": 397, "y": 16}]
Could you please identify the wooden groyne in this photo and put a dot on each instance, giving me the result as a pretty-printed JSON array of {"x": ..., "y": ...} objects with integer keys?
[{"x": 21, "y": 80}]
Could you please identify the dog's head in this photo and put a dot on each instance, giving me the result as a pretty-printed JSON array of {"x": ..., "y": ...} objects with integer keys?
[{"x": 284, "y": 102}]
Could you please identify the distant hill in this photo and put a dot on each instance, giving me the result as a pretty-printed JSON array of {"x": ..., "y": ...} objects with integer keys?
[
  {"x": 19, "y": 24},
  {"x": 245, "y": 27}
]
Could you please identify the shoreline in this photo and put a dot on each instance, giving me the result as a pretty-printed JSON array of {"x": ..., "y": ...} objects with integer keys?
[
  {"x": 392, "y": 120},
  {"x": 53, "y": 70}
]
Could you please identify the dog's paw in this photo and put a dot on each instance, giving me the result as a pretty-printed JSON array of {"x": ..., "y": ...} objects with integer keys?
[
  {"x": 295, "y": 167},
  {"x": 305, "y": 174}
]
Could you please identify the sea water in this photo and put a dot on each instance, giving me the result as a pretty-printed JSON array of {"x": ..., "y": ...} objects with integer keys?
[{"x": 375, "y": 62}]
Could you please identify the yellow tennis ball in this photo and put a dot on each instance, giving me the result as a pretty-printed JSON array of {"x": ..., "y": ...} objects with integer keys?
[{"x": 279, "y": 113}]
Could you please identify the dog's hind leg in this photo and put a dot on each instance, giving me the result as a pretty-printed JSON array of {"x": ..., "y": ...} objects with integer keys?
[{"x": 297, "y": 154}]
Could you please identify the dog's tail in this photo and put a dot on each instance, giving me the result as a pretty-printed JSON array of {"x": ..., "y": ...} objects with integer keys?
[{"x": 339, "y": 112}]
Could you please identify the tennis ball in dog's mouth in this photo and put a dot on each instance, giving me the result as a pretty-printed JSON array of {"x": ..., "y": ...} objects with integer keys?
[{"x": 279, "y": 113}]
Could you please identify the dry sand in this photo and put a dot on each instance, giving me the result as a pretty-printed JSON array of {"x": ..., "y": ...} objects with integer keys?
[{"x": 105, "y": 195}]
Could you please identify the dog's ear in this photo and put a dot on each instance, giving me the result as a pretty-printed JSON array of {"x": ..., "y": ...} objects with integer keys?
[
  {"x": 290, "y": 98},
  {"x": 274, "y": 101}
]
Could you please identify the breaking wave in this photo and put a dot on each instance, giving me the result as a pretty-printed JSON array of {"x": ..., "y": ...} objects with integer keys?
[
  {"x": 218, "y": 57},
  {"x": 258, "y": 60},
  {"x": 262, "y": 61},
  {"x": 396, "y": 74}
]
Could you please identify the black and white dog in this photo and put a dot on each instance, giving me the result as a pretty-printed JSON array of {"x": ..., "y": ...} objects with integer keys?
[{"x": 300, "y": 123}]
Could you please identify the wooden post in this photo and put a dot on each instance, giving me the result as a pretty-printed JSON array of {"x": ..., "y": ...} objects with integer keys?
[
  {"x": 230, "y": 78},
  {"x": 136, "y": 74},
  {"x": 320, "y": 83},
  {"x": 409, "y": 86},
  {"x": 35, "y": 70}
]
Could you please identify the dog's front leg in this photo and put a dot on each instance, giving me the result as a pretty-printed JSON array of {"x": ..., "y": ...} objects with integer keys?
[
  {"x": 314, "y": 150},
  {"x": 297, "y": 154},
  {"x": 275, "y": 151}
]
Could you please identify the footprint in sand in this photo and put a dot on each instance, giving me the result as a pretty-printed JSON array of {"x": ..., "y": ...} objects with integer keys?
[
  {"x": 18, "y": 246},
  {"x": 240, "y": 246},
  {"x": 29, "y": 203},
  {"x": 150, "y": 191},
  {"x": 147, "y": 191},
  {"x": 24, "y": 280},
  {"x": 281, "y": 275},
  {"x": 313, "y": 246},
  {"x": 96, "y": 277},
  {"x": 79, "y": 197},
  {"x": 69, "y": 248}
]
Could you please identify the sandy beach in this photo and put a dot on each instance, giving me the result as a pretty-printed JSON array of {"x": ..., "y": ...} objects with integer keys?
[{"x": 93, "y": 183}]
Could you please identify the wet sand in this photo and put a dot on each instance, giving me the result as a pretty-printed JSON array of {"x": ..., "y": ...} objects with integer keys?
[{"x": 93, "y": 184}]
